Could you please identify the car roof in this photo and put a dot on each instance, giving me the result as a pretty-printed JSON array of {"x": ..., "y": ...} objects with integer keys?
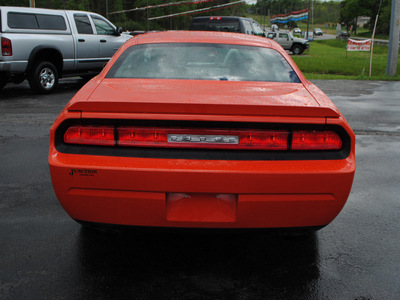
[{"x": 200, "y": 37}]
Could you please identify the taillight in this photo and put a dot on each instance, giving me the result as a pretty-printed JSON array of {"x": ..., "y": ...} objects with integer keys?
[
  {"x": 203, "y": 138},
  {"x": 6, "y": 47},
  {"x": 215, "y": 18},
  {"x": 240, "y": 139},
  {"x": 316, "y": 140},
  {"x": 90, "y": 135}
]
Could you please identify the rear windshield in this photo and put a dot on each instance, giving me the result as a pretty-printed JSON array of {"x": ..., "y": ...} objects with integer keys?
[
  {"x": 203, "y": 62},
  {"x": 216, "y": 25}
]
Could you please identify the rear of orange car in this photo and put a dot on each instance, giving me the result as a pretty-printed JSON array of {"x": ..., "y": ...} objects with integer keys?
[{"x": 176, "y": 152}]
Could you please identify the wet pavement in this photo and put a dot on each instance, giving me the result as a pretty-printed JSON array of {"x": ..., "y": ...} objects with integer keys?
[{"x": 46, "y": 255}]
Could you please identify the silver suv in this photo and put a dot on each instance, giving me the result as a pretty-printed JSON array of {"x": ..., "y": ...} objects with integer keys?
[
  {"x": 289, "y": 42},
  {"x": 43, "y": 45}
]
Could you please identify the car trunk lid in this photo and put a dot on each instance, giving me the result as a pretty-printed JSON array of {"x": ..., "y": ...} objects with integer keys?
[{"x": 202, "y": 97}]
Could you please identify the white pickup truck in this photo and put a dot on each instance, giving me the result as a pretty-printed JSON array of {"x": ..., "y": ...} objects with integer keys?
[{"x": 43, "y": 45}]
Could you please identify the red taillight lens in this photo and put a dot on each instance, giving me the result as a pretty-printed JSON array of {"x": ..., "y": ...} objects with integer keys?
[
  {"x": 203, "y": 138},
  {"x": 90, "y": 135},
  {"x": 241, "y": 139},
  {"x": 6, "y": 47},
  {"x": 316, "y": 140}
]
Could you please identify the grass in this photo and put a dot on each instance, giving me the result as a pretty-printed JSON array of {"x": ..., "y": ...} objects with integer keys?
[{"x": 327, "y": 60}]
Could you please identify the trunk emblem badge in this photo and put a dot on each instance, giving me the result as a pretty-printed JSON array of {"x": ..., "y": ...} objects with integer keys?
[{"x": 197, "y": 138}]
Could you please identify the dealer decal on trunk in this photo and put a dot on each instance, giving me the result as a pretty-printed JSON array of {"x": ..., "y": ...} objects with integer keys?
[{"x": 82, "y": 172}]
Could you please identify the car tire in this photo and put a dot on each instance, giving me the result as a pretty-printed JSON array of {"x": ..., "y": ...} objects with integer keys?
[
  {"x": 44, "y": 78},
  {"x": 297, "y": 50}
]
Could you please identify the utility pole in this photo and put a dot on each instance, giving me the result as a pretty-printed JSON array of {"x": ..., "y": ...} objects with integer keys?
[
  {"x": 393, "y": 54},
  {"x": 31, "y": 3},
  {"x": 308, "y": 19},
  {"x": 147, "y": 12},
  {"x": 312, "y": 13}
]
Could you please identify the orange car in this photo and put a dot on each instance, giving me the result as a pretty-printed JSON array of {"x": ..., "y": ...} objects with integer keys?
[{"x": 202, "y": 130}]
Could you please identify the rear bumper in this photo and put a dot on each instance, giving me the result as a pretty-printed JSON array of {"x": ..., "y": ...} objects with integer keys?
[
  {"x": 5, "y": 66},
  {"x": 201, "y": 193}
]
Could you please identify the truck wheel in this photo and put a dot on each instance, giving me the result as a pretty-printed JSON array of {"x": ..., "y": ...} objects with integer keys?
[
  {"x": 297, "y": 50},
  {"x": 44, "y": 78}
]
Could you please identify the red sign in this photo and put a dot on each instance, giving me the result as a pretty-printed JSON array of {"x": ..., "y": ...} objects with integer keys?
[{"x": 353, "y": 45}]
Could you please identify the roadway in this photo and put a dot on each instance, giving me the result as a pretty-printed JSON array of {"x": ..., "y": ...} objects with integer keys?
[{"x": 46, "y": 255}]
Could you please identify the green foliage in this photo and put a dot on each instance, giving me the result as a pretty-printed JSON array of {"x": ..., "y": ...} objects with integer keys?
[
  {"x": 136, "y": 20},
  {"x": 323, "y": 12},
  {"x": 351, "y": 9},
  {"x": 276, "y": 7},
  {"x": 328, "y": 59}
]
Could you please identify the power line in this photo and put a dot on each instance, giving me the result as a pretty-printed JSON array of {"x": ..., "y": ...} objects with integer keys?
[
  {"x": 208, "y": 9},
  {"x": 162, "y": 5}
]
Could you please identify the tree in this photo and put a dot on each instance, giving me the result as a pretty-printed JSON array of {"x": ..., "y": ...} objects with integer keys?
[
  {"x": 351, "y": 9},
  {"x": 135, "y": 20}
]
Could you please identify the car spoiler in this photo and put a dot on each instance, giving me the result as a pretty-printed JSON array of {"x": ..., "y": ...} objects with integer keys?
[{"x": 201, "y": 109}]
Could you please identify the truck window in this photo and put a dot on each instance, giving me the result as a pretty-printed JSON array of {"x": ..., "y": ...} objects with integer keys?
[
  {"x": 83, "y": 24},
  {"x": 51, "y": 22},
  {"x": 284, "y": 36},
  {"x": 257, "y": 29},
  {"x": 230, "y": 26},
  {"x": 25, "y": 21},
  {"x": 36, "y": 21},
  {"x": 216, "y": 25},
  {"x": 102, "y": 27},
  {"x": 247, "y": 27}
]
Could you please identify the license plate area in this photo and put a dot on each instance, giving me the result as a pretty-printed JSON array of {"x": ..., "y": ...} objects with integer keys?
[{"x": 201, "y": 207}]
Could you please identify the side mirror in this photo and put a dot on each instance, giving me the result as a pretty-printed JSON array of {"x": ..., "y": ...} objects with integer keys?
[{"x": 118, "y": 31}]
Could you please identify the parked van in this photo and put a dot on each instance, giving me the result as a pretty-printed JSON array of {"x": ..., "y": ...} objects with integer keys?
[{"x": 43, "y": 45}]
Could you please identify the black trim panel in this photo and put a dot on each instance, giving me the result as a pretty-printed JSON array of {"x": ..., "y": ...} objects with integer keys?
[{"x": 202, "y": 154}]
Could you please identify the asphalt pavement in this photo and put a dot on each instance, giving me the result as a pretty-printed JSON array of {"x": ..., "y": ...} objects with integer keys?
[{"x": 46, "y": 255}]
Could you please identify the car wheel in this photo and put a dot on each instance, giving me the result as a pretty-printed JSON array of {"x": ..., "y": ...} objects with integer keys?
[
  {"x": 297, "y": 50},
  {"x": 44, "y": 78}
]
